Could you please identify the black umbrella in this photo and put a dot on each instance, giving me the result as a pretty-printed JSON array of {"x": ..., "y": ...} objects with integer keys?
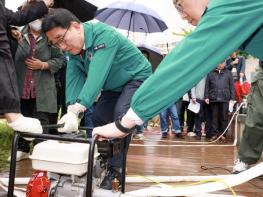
[
  {"x": 84, "y": 10},
  {"x": 153, "y": 54},
  {"x": 131, "y": 16}
]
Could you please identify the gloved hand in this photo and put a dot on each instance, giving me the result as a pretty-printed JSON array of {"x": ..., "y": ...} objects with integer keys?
[
  {"x": 25, "y": 124},
  {"x": 108, "y": 131},
  {"x": 70, "y": 119}
]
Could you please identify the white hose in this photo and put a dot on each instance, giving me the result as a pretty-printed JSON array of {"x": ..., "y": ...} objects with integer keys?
[
  {"x": 219, "y": 183},
  {"x": 105, "y": 193},
  {"x": 18, "y": 181},
  {"x": 233, "y": 180},
  {"x": 18, "y": 192},
  {"x": 173, "y": 179}
]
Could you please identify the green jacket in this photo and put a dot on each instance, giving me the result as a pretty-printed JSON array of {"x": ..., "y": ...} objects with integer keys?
[
  {"x": 110, "y": 62},
  {"x": 46, "y": 93},
  {"x": 225, "y": 26}
]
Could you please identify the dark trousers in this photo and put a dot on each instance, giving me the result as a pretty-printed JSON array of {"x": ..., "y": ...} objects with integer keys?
[
  {"x": 28, "y": 109},
  {"x": 181, "y": 108},
  {"x": 220, "y": 117},
  {"x": 88, "y": 121},
  {"x": 204, "y": 115},
  {"x": 109, "y": 107},
  {"x": 208, "y": 120},
  {"x": 199, "y": 117}
]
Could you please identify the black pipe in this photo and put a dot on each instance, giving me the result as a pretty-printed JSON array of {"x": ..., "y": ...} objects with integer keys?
[
  {"x": 90, "y": 168},
  {"x": 124, "y": 156},
  {"x": 12, "y": 171},
  {"x": 57, "y": 126}
]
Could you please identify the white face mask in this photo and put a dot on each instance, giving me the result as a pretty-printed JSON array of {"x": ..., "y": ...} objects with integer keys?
[{"x": 36, "y": 25}]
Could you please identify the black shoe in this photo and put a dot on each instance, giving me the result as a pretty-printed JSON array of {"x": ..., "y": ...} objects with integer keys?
[
  {"x": 110, "y": 176},
  {"x": 164, "y": 135},
  {"x": 179, "y": 135}
]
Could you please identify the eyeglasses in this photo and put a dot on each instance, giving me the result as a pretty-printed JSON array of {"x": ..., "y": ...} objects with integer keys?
[
  {"x": 178, "y": 4},
  {"x": 61, "y": 39}
]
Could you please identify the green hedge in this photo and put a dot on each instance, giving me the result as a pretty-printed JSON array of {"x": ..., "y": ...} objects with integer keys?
[{"x": 5, "y": 145}]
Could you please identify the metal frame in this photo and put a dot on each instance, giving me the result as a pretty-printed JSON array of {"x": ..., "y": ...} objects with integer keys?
[
  {"x": 17, "y": 135},
  {"x": 91, "y": 141}
]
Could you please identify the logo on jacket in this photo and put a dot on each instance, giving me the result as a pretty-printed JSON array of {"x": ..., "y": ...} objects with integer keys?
[{"x": 100, "y": 46}]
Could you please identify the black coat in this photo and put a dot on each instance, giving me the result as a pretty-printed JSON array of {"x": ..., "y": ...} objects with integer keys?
[
  {"x": 9, "y": 99},
  {"x": 219, "y": 86}
]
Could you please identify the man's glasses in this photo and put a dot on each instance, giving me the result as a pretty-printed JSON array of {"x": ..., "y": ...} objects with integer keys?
[
  {"x": 178, "y": 4},
  {"x": 61, "y": 39}
]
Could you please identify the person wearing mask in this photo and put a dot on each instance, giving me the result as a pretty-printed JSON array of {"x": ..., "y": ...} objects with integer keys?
[
  {"x": 36, "y": 63},
  {"x": 9, "y": 97},
  {"x": 209, "y": 38}
]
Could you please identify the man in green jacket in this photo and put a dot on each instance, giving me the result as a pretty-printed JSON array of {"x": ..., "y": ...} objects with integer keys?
[
  {"x": 101, "y": 62},
  {"x": 215, "y": 37}
]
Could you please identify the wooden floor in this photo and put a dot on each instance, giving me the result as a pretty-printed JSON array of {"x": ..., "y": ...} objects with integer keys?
[
  {"x": 185, "y": 159},
  {"x": 169, "y": 158}
]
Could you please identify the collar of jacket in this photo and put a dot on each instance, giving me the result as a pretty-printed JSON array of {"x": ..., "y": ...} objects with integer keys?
[
  {"x": 25, "y": 33},
  {"x": 220, "y": 70},
  {"x": 88, "y": 34}
]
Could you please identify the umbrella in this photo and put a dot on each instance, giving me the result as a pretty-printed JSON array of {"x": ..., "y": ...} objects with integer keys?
[
  {"x": 131, "y": 16},
  {"x": 154, "y": 54},
  {"x": 84, "y": 10}
]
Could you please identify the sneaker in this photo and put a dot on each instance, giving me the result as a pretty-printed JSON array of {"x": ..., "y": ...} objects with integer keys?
[
  {"x": 138, "y": 136},
  {"x": 110, "y": 176},
  {"x": 239, "y": 166},
  {"x": 20, "y": 155},
  {"x": 191, "y": 134},
  {"x": 179, "y": 135},
  {"x": 164, "y": 135}
]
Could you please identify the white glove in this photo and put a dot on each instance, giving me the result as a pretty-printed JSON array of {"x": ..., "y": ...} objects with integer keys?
[
  {"x": 25, "y": 124},
  {"x": 70, "y": 119}
]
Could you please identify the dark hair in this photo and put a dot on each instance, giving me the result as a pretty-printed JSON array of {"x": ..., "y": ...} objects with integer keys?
[{"x": 58, "y": 18}]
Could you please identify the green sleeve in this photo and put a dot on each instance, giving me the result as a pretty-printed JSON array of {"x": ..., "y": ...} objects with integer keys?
[
  {"x": 75, "y": 79},
  {"x": 224, "y": 27},
  {"x": 99, "y": 69}
]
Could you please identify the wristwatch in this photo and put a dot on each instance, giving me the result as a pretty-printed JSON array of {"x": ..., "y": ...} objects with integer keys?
[{"x": 121, "y": 127}]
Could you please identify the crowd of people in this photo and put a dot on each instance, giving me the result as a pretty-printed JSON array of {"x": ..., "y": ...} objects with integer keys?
[
  {"x": 110, "y": 80},
  {"x": 215, "y": 94}
]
